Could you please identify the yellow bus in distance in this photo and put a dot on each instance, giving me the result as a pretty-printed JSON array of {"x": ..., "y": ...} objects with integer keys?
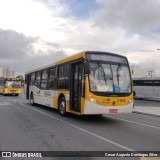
[
  {"x": 87, "y": 83},
  {"x": 10, "y": 86}
]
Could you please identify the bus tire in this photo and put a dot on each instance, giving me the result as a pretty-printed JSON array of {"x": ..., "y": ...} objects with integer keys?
[
  {"x": 16, "y": 94},
  {"x": 32, "y": 99},
  {"x": 62, "y": 106}
]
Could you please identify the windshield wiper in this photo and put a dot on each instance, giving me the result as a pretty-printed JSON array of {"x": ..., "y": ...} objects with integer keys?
[
  {"x": 118, "y": 74},
  {"x": 100, "y": 65}
]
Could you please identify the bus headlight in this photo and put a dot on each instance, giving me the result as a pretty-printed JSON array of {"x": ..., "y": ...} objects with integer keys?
[
  {"x": 130, "y": 101},
  {"x": 92, "y": 99}
]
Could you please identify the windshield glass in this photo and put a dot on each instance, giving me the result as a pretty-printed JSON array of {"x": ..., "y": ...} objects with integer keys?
[
  {"x": 13, "y": 84},
  {"x": 109, "y": 78}
]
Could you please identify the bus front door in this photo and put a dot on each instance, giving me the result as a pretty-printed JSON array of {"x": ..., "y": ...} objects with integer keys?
[{"x": 76, "y": 86}]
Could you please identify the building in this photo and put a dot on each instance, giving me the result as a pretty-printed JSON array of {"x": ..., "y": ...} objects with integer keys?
[
  {"x": 139, "y": 72},
  {"x": 11, "y": 74},
  {"x": 1, "y": 72},
  {"x": 5, "y": 72}
]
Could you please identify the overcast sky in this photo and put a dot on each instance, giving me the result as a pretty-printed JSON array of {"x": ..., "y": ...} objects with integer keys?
[{"x": 34, "y": 33}]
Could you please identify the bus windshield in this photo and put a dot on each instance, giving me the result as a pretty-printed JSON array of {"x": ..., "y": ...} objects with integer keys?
[
  {"x": 111, "y": 78},
  {"x": 13, "y": 84}
]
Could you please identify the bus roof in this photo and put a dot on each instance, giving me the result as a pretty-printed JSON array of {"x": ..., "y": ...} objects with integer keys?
[
  {"x": 83, "y": 54},
  {"x": 73, "y": 57}
]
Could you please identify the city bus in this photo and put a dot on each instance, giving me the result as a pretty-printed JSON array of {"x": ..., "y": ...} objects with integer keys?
[
  {"x": 147, "y": 88},
  {"x": 87, "y": 83},
  {"x": 10, "y": 86}
]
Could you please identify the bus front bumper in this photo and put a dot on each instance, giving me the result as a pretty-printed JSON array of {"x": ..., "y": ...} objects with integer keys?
[
  {"x": 93, "y": 108},
  {"x": 11, "y": 92}
]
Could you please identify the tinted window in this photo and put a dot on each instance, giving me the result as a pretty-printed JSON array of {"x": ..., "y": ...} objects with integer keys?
[
  {"x": 146, "y": 82},
  {"x": 38, "y": 79},
  {"x": 44, "y": 79},
  {"x": 52, "y": 78},
  {"x": 157, "y": 82},
  {"x": 32, "y": 78},
  {"x": 63, "y": 78}
]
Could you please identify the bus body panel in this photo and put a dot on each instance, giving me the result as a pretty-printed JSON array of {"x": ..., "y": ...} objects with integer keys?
[
  {"x": 43, "y": 97},
  {"x": 11, "y": 90},
  {"x": 147, "y": 92},
  {"x": 92, "y": 108}
]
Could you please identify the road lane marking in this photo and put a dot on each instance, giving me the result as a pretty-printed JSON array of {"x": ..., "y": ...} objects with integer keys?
[
  {"x": 81, "y": 129},
  {"x": 147, "y": 125}
]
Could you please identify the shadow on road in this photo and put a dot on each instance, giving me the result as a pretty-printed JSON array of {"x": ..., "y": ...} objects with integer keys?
[{"x": 92, "y": 119}]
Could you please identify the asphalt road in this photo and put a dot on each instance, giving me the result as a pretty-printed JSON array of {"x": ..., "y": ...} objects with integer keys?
[{"x": 37, "y": 128}]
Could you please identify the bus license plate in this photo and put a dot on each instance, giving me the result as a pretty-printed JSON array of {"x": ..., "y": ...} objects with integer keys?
[{"x": 113, "y": 111}]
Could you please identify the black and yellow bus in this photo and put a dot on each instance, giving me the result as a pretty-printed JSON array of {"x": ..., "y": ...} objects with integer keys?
[{"x": 89, "y": 82}]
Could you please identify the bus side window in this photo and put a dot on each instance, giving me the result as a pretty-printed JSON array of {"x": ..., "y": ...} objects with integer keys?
[
  {"x": 38, "y": 79},
  {"x": 52, "y": 78},
  {"x": 138, "y": 82},
  {"x": 32, "y": 81},
  {"x": 157, "y": 83},
  {"x": 44, "y": 79},
  {"x": 63, "y": 76}
]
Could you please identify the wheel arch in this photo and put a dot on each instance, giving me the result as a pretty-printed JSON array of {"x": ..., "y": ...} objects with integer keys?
[
  {"x": 61, "y": 105},
  {"x": 31, "y": 93}
]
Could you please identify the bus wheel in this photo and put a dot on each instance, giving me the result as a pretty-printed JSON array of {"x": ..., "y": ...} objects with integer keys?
[
  {"x": 16, "y": 94},
  {"x": 32, "y": 99},
  {"x": 62, "y": 107}
]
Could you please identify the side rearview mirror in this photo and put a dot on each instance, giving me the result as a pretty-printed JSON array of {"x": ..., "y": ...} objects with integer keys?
[{"x": 134, "y": 93}]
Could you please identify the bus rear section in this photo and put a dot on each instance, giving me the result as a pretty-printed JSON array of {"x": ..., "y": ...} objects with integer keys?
[{"x": 10, "y": 86}]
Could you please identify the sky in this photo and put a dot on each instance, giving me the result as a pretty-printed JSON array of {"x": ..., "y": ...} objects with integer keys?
[{"x": 35, "y": 33}]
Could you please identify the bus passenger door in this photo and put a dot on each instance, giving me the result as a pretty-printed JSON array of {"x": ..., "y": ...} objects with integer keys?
[{"x": 77, "y": 88}]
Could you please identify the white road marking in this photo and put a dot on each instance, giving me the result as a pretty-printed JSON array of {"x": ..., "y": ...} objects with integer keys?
[
  {"x": 134, "y": 122},
  {"x": 81, "y": 129}
]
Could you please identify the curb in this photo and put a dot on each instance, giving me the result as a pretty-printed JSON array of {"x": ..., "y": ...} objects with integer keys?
[{"x": 146, "y": 114}]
